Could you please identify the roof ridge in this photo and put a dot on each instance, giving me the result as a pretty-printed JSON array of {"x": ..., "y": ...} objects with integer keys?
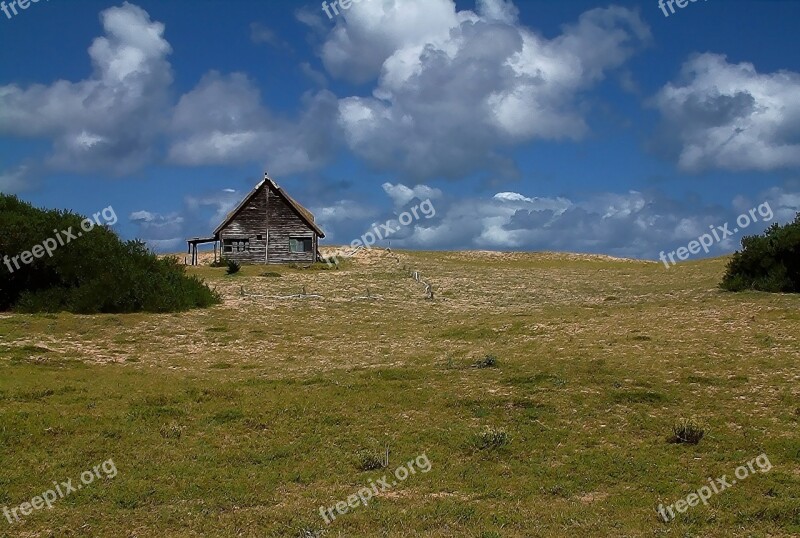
[{"x": 302, "y": 212}]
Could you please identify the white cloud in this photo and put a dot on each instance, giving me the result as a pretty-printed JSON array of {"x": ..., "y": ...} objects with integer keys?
[
  {"x": 155, "y": 220},
  {"x": 633, "y": 224},
  {"x": 223, "y": 121},
  {"x": 341, "y": 211},
  {"x": 457, "y": 88},
  {"x": 729, "y": 116},
  {"x": 402, "y": 195},
  {"x": 372, "y": 31},
  {"x": 110, "y": 120},
  {"x": 498, "y": 10}
]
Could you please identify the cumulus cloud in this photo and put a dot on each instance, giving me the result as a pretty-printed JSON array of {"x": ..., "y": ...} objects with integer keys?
[
  {"x": 457, "y": 88},
  {"x": 402, "y": 195},
  {"x": 730, "y": 116},
  {"x": 633, "y": 224},
  {"x": 110, "y": 120},
  {"x": 343, "y": 210},
  {"x": 223, "y": 121},
  {"x": 116, "y": 120},
  {"x": 371, "y": 32}
]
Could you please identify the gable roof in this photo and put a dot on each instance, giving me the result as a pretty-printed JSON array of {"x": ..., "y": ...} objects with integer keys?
[{"x": 304, "y": 214}]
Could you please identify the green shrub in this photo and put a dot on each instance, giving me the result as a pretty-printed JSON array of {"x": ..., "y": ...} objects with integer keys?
[
  {"x": 769, "y": 262},
  {"x": 233, "y": 267},
  {"x": 687, "y": 432},
  {"x": 370, "y": 462},
  {"x": 491, "y": 439},
  {"x": 489, "y": 361},
  {"x": 96, "y": 273}
]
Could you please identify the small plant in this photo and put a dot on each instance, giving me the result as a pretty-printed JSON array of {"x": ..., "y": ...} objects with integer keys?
[
  {"x": 368, "y": 461},
  {"x": 171, "y": 431},
  {"x": 492, "y": 439},
  {"x": 218, "y": 263},
  {"x": 233, "y": 267},
  {"x": 489, "y": 361},
  {"x": 687, "y": 432},
  {"x": 271, "y": 274}
]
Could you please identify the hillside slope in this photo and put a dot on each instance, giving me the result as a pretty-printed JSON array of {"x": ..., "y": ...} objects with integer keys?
[{"x": 245, "y": 418}]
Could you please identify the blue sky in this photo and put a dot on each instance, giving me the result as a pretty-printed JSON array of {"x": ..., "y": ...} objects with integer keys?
[{"x": 562, "y": 125}]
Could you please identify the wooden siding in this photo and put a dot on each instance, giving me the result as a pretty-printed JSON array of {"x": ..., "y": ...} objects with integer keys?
[
  {"x": 285, "y": 223},
  {"x": 267, "y": 214}
]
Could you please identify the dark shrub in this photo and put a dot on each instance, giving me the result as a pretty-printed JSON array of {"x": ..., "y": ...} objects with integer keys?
[
  {"x": 769, "y": 262},
  {"x": 489, "y": 361},
  {"x": 491, "y": 439},
  {"x": 233, "y": 267},
  {"x": 687, "y": 432},
  {"x": 94, "y": 273},
  {"x": 370, "y": 462}
]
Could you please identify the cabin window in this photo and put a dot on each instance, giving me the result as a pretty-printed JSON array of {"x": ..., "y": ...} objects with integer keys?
[
  {"x": 300, "y": 244},
  {"x": 236, "y": 245},
  {"x": 259, "y": 237}
]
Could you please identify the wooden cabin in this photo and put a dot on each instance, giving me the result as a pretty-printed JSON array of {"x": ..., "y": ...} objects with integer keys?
[{"x": 268, "y": 226}]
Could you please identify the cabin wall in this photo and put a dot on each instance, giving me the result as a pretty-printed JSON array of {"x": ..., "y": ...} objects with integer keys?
[
  {"x": 284, "y": 224},
  {"x": 268, "y": 215},
  {"x": 251, "y": 222}
]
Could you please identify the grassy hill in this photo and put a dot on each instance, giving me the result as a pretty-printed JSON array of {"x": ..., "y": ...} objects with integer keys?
[{"x": 245, "y": 418}]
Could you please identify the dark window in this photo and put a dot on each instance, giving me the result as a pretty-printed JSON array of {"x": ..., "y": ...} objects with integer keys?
[
  {"x": 300, "y": 244},
  {"x": 236, "y": 245},
  {"x": 260, "y": 237}
]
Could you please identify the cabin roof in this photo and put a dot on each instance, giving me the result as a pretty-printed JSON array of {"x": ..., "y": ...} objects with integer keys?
[{"x": 304, "y": 214}]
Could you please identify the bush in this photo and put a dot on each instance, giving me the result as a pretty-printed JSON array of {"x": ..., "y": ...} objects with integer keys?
[
  {"x": 687, "y": 432},
  {"x": 491, "y": 439},
  {"x": 233, "y": 267},
  {"x": 770, "y": 262},
  {"x": 489, "y": 361},
  {"x": 96, "y": 273},
  {"x": 370, "y": 462}
]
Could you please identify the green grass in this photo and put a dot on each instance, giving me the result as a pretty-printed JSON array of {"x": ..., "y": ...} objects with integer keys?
[{"x": 247, "y": 417}]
